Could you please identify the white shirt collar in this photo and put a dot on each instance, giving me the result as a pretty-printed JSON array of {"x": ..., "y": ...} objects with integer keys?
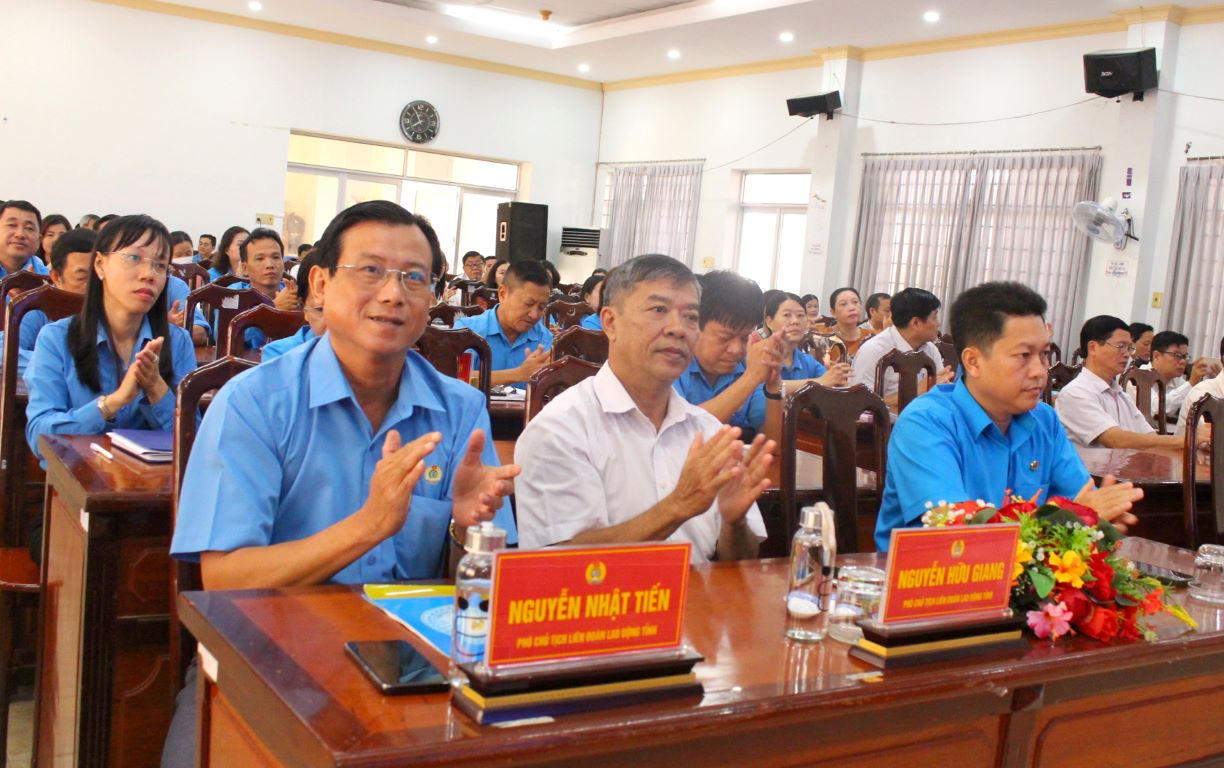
[{"x": 614, "y": 398}]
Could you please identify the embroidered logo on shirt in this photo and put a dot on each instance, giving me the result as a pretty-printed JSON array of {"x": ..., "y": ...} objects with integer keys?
[{"x": 433, "y": 474}]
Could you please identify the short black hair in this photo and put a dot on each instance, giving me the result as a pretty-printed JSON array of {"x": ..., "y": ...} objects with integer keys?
[
  {"x": 805, "y": 298},
  {"x": 1138, "y": 329},
  {"x": 599, "y": 271},
  {"x": 873, "y": 301},
  {"x": 52, "y": 219},
  {"x": 437, "y": 258},
  {"x": 104, "y": 220},
  {"x": 552, "y": 272},
  {"x": 777, "y": 299},
  {"x": 469, "y": 255},
  {"x": 1165, "y": 339},
  {"x": 979, "y": 314},
  {"x": 590, "y": 284},
  {"x": 644, "y": 269},
  {"x": 767, "y": 297},
  {"x": 262, "y": 233},
  {"x": 487, "y": 259},
  {"x": 221, "y": 261},
  {"x": 211, "y": 238},
  {"x": 912, "y": 303},
  {"x": 1099, "y": 329},
  {"x": 22, "y": 205},
  {"x": 179, "y": 236},
  {"x": 382, "y": 211},
  {"x": 303, "y": 247},
  {"x": 491, "y": 278},
  {"x": 527, "y": 271},
  {"x": 303, "y": 274},
  {"x": 730, "y": 299},
  {"x": 73, "y": 241},
  {"x": 837, "y": 292}
]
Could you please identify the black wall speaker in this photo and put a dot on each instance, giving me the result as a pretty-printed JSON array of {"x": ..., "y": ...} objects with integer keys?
[
  {"x": 1118, "y": 72},
  {"x": 522, "y": 231},
  {"x": 824, "y": 104}
]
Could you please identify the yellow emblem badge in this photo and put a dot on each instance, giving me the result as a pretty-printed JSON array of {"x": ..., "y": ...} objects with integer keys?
[
  {"x": 433, "y": 474},
  {"x": 596, "y": 572}
]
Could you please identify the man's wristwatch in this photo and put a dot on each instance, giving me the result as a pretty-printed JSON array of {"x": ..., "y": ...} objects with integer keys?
[{"x": 454, "y": 534}]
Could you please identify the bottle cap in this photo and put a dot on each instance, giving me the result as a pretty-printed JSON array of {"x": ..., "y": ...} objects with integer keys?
[
  {"x": 815, "y": 515},
  {"x": 485, "y": 537}
]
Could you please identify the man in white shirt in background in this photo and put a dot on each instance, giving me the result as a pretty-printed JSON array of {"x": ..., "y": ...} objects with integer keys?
[
  {"x": 622, "y": 457},
  {"x": 915, "y": 327},
  {"x": 1093, "y": 408},
  {"x": 1170, "y": 352},
  {"x": 1213, "y": 386}
]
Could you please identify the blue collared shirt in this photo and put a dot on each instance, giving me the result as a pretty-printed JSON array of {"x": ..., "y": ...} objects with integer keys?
[
  {"x": 944, "y": 447},
  {"x": 33, "y": 264},
  {"x": 803, "y": 366},
  {"x": 694, "y": 387},
  {"x": 215, "y": 274},
  {"x": 177, "y": 290},
  {"x": 505, "y": 354},
  {"x": 305, "y": 455},
  {"x": 592, "y": 322},
  {"x": 61, "y": 404},
  {"x": 274, "y": 349}
]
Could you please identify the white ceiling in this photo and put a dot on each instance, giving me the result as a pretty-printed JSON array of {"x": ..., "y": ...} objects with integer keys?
[{"x": 624, "y": 39}]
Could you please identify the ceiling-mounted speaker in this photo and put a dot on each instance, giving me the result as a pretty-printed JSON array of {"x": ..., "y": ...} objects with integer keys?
[
  {"x": 1119, "y": 72},
  {"x": 807, "y": 106}
]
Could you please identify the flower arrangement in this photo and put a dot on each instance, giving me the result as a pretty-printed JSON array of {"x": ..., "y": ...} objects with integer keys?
[{"x": 1068, "y": 576}]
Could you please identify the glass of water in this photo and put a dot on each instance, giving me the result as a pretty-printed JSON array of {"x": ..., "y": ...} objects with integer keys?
[
  {"x": 1208, "y": 581},
  {"x": 858, "y": 596}
]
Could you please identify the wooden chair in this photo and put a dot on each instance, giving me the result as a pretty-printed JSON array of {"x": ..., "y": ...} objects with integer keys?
[
  {"x": 442, "y": 347},
  {"x": 582, "y": 343},
  {"x": 1076, "y": 359},
  {"x": 1210, "y": 408},
  {"x": 947, "y": 351},
  {"x": 567, "y": 314},
  {"x": 226, "y": 303},
  {"x": 839, "y": 409},
  {"x": 448, "y": 313},
  {"x": 22, "y": 281},
  {"x": 486, "y": 297},
  {"x": 225, "y": 281},
  {"x": 19, "y": 591},
  {"x": 440, "y": 286},
  {"x": 824, "y": 346},
  {"x": 467, "y": 289},
  {"x": 1055, "y": 355},
  {"x": 275, "y": 324},
  {"x": 1144, "y": 382},
  {"x": 20, "y": 478},
  {"x": 1060, "y": 376},
  {"x": 553, "y": 379},
  {"x": 185, "y": 576},
  {"x": 193, "y": 274},
  {"x": 907, "y": 365}
]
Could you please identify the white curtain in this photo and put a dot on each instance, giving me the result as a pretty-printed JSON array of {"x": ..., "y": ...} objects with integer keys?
[
  {"x": 653, "y": 210},
  {"x": 949, "y": 222},
  {"x": 1196, "y": 270}
]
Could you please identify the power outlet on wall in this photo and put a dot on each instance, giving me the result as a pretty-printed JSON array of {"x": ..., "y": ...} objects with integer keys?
[
  {"x": 264, "y": 219},
  {"x": 707, "y": 262},
  {"x": 1157, "y": 299}
]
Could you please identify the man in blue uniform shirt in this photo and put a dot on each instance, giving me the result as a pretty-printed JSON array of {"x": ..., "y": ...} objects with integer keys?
[
  {"x": 347, "y": 459},
  {"x": 20, "y": 235},
  {"x": 989, "y": 433},
  {"x": 515, "y": 328}
]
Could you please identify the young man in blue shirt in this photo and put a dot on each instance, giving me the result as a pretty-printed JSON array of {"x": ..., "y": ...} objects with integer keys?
[
  {"x": 348, "y": 459},
  {"x": 20, "y": 235},
  {"x": 515, "y": 329},
  {"x": 988, "y": 433}
]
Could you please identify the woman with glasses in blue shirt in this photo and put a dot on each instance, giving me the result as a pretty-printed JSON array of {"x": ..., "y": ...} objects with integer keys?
[{"x": 116, "y": 364}]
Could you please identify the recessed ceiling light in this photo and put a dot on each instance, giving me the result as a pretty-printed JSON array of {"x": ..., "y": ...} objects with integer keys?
[
  {"x": 673, "y": 54},
  {"x": 255, "y": 5},
  {"x": 930, "y": 17},
  {"x": 584, "y": 67},
  {"x": 431, "y": 39},
  {"x": 787, "y": 37}
]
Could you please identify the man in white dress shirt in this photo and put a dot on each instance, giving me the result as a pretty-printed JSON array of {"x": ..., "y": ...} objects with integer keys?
[
  {"x": 915, "y": 327},
  {"x": 1170, "y": 353},
  {"x": 622, "y": 457},
  {"x": 1213, "y": 386},
  {"x": 1093, "y": 408}
]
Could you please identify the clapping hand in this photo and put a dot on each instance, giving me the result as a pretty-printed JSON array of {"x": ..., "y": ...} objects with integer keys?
[
  {"x": 479, "y": 489},
  {"x": 395, "y": 477},
  {"x": 1112, "y": 501},
  {"x": 747, "y": 484},
  {"x": 145, "y": 368},
  {"x": 177, "y": 314}
]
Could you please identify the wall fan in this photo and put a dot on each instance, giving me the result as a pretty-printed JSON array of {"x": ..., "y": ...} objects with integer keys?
[{"x": 1102, "y": 221}]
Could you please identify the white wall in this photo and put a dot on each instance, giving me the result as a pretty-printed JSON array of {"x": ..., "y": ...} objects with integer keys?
[{"x": 107, "y": 109}]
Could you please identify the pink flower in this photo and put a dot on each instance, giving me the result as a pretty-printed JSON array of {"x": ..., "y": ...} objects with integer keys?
[{"x": 1052, "y": 621}]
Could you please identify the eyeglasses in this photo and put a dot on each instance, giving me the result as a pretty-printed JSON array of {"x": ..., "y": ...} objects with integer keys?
[
  {"x": 1122, "y": 346},
  {"x": 132, "y": 261},
  {"x": 1182, "y": 356},
  {"x": 373, "y": 276}
]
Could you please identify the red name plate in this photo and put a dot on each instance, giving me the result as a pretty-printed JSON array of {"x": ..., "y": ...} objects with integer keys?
[
  {"x": 949, "y": 572},
  {"x": 589, "y": 601}
]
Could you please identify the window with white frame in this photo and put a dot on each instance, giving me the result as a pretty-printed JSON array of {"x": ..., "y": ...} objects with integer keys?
[
  {"x": 772, "y": 227},
  {"x": 459, "y": 195}
]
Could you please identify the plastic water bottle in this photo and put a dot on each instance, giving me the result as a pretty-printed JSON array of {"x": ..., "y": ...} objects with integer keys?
[
  {"x": 473, "y": 595},
  {"x": 813, "y": 552}
]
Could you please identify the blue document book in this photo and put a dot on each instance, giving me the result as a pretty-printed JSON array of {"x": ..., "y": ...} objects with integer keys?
[
  {"x": 426, "y": 609},
  {"x": 153, "y": 446}
]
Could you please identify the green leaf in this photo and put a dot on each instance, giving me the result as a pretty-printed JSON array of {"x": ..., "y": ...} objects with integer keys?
[
  {"x": 1043, "y": 582},
  {"x": 1112, "y": 536},
  {"x": 983, "y": 516}
]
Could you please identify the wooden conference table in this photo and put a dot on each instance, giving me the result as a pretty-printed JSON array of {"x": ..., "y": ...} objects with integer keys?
[{"x": 283, "y": 692}]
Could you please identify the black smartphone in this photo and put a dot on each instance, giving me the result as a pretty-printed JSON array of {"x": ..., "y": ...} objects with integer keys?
[{"x": 396, "y": 667}]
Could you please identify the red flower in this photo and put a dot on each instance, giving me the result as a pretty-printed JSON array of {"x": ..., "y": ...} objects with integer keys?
[
  {"x": 1152, "y": 601},
  {"x": 1078, "y": 603},
  {"x": 1087, "y": 515},
  {"x": 1128, "y": 624},
  {"x": 1102, "y": 588},
  {"x": 1012, "y": 512},
  {"x": 1101, "y": 624}
]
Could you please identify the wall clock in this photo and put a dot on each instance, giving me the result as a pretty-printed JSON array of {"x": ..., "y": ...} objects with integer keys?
[{"x": 419, "y": 122}]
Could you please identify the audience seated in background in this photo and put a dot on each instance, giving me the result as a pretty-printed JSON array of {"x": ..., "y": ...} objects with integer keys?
[
  {"x": 205, "y": 247},
  {"x": 262, "y": 255},
  {"x": 1141, "y": 339},
  {"x": 914, "y": 326},
  {"x": 311, "y": 307},
  {"x": 181, "y": 251},
  {"x": 20, "y": 235},
  {"x": 117, "y": 363},
  {"x": 1093, "y": 408},
  {"x": 1213, "y": 386},
  {"x": 592, "y": 293},
  {"x": 811, "y": 306},
  {"x": 497, "y": 273},
  {"x": 226, "y": 260},
  {"x": 847, "y": 309},
  {"x": 762, "y": 331},
  {"x": 787, "y": 322},
  {"x": 54, "y": 227},
  {"x": 621, "y": 457},
  {"x": 71, "y": 262},
  {"x": 1170, "y": 352},
  {"x": 515, "y": 328},
  {"x": 727, "y": 375},
  {"x": 88, "y": 221},
  {"x": 473, "y": 268},
  {"x": 489, "y": 263},
  {"x": 879, "y": 312},
  {"x": 988, "y": 433}
]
